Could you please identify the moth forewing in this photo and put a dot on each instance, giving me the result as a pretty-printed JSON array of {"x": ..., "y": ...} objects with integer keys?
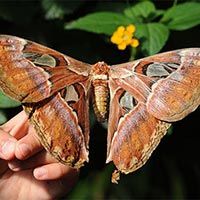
[
  {"x": 177, "y": 95},
  {"x": 139, "y": 97}
]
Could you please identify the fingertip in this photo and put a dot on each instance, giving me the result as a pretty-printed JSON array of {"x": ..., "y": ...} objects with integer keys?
[
  {"x": 41, "y": 173},
  {"x": 58, "y": 186},
  {"x": 7, "y": 149},
  {"x": 17, "y": 126},
  {"x": 23, "y": 151},
  {"x": 54, "y": 171},
  {"x": 28, "y": 146},
  {"x": 14, "y": 165}
]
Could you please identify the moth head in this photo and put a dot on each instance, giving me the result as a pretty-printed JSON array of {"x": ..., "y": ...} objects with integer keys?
[{"x": 100, "y": 68}]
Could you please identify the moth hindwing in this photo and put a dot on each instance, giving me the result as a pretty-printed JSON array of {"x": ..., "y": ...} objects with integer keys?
[{"x": 140, "y": 99}]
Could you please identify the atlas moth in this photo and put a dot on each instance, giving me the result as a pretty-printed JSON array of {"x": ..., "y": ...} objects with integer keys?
[{"x": 139, "y": 99}]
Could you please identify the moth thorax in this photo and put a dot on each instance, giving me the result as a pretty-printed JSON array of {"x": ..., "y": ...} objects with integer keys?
[{"x": 100, "y": 100}]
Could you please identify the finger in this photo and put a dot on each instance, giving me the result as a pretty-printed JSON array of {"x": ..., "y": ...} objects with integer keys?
[
  {"x": 28, "y": 145},
  {"x": 52, "y": 171},
  {"x": 17, "y": 126},
  {"x": 41, "y": 158},
  {"x": 59, "y": 188},
  {"x": 43, "y": 163},
  {"x": 7, "y": 146}
]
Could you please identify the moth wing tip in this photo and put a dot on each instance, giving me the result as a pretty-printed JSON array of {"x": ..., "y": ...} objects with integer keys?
[
  {"x": 115, "y": 176},
  {"x": 109, "y": 158}
]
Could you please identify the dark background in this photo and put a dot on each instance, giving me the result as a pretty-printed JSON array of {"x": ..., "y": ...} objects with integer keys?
[{"x": 173, "y": 171}]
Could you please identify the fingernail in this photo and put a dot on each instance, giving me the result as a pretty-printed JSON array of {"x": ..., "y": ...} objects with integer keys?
[
  {"x": 14, "y": 165},
  {"x": 7, "y": 148},
  {"x": 40, "y": 173},
  {"x": 24, "y": 150}
]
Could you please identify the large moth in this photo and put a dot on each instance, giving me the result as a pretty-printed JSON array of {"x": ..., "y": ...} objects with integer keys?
[{"x": 140, "y": 99}]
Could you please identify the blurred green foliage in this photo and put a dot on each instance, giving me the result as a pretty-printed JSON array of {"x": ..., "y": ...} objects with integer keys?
[
  {"x": 6, "y": 102},
  {"x": 152, "y": 25},
  {"x": 82, "y": 29}
]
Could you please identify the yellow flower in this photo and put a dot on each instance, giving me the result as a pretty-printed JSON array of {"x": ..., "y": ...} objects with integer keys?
[
  {"x": 135, "y": 42},
  {"x": 130, "y": 28},
  {"x": 122, "y": 46},
  {"x": 120, "y": 30},
  {"x": 124, "y": 36}
]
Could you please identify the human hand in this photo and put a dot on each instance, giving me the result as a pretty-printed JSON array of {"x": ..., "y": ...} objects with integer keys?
[{"x": 27, "y": 171}]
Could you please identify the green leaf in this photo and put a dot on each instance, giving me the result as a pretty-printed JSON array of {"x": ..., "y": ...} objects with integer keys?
[
  {"x": 182, "y": 16},
  {"x": 6, "y": 102},
  {"x": 3, "y": 117},
  {"x": 53, "y": 9},
  {"x": 56, "y": 9},
  {"x": 141, "y": 11},
  {"x": 99, "y": 22},
  {"x": 152, "y": 36}
]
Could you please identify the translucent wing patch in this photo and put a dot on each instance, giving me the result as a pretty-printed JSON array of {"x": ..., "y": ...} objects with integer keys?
[{"x": 30, "y": 72}]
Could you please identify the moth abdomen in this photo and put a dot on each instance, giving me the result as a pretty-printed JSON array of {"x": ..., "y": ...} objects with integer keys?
[
  {"x": 101, "y": 97},
  {"x": 99, "y": 75}
]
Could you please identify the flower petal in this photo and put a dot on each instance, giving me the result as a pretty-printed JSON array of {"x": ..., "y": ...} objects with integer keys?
[
  {"x": 135, "y": 42},
  {"x": 122, "y": 46},
  {"x": 130, "y": 28},
  {"x": 116, "y": 39},
  {"x": 120, "y": 30}
]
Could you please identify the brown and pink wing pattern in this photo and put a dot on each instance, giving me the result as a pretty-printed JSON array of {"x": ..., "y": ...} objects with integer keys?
[
  {"x": 63, "y": 128},
  {"x": 145, "y": 96},
  {"x": 30, "y": 72},
  {"x": 53, "y": 89}
]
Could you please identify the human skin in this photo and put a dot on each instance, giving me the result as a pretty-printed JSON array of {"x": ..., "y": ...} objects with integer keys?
[{"x": 27, "y": 171}]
